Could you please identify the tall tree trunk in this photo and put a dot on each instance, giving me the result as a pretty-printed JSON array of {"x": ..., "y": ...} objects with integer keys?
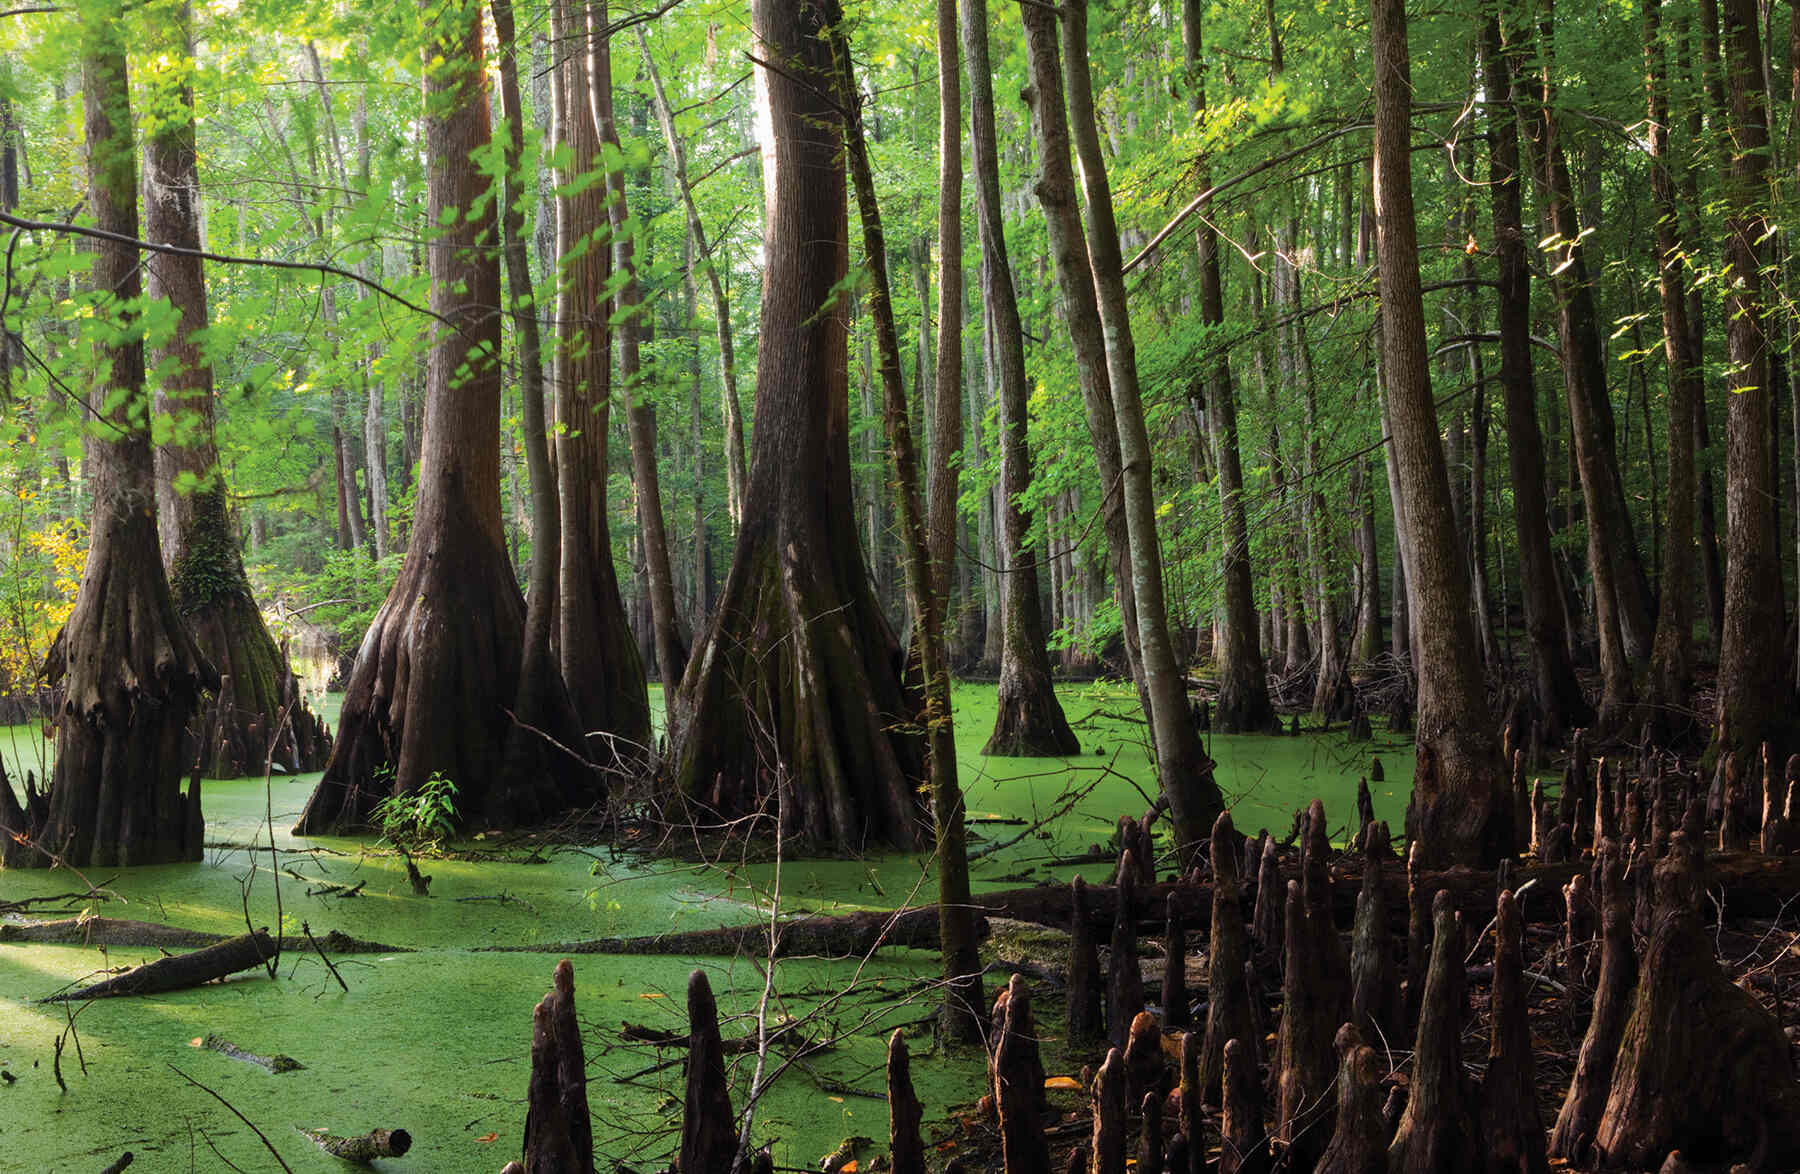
[
  {"x": 1754, "y": 700},
  {"x": 1622, "y": 613},
  {"x": 1243, "y": 704},
  {"x": 797, "y": 691},
  {"x": 1030, "y": 720},
  {"x": 543, "y": 699},
  {"x": 129, "y": 674},
  {"x": 963, "y": 1010},
  {"x": 1185, "y": 770},
  {"x": 601, "y": 664},
  {"x": 255, "y": 716},
  {"x": 431, "y": 683},
  {"x": 671, "y": 654},
  {"x": 734, "y": 417},
  {"x": 1556, "y": 693},
  {"x": 1665, "y": 690},
  {"x": 1461, "y": 809}
]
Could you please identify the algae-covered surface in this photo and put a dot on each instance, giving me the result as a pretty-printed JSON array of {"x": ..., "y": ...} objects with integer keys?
[{"x": 435, "y": 1039}]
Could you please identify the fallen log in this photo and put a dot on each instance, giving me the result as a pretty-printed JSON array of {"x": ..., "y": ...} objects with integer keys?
[
  {"x": 839, "y": 936},
  {"x": 179, "y": 971},
  {"x": 377, "y": 1143},
  {"x": 120, "y": 932},
  {"x": 1750, "y": 884},
  {"x": 107, "y": 931}
]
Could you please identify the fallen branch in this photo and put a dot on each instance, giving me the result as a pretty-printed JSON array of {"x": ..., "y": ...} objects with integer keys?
[
  {"x": 180, "y": 971},
  {"x": 125, "y": 1159},
  {"x": 377, "y": 1143},
  {"x": 215, "y": 1042}
]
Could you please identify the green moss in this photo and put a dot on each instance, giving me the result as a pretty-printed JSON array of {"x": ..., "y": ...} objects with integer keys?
[{"x": 437, "y": 1041}]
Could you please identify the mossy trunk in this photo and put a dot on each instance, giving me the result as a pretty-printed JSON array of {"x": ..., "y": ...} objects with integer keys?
[
  {"x": 255, "y": 717},
  {"x": 129, "y": 674}
]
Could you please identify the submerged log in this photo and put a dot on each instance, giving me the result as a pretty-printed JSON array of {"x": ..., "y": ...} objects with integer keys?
[
  {"x": 180, "y": 971},
  {"x": 214, "y": 1042},
  {"x": 365, "y": 1148}
]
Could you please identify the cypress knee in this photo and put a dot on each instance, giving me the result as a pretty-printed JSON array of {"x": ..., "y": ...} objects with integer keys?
[
  {"x": 1435, "y": 1135},
  {"x": 1511, "y": 1130}
]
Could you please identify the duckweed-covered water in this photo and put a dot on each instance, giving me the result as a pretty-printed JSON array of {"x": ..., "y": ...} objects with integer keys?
[{"x": 436, "y": 1040}]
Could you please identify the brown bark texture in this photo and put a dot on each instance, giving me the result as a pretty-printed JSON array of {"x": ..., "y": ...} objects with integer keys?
[{"x": 798, "y": 688}]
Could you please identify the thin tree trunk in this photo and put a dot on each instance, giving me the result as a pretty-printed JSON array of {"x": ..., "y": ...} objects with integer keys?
[
  {"x": 671, "y": 655},
  {"x": 1665, "y": 692},
  {"x": 1556, "y": 693},
  {"x": 1461, "y": 808},
  {"x": 1753, "y": 697},
  {"x": 734, "y": 416},
  {"x": 963, "y": 1011},
  {"x": 1030, "y": 720},
  {"x": 1185, "y": 770},
  {"x": 601, "y": 664}
]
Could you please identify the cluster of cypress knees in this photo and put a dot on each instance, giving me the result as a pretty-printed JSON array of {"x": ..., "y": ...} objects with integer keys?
[{"x": 1680, "y": 1069}]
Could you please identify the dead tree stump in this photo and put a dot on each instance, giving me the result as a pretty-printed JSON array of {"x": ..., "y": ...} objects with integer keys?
[
  {"x": 1360, "y": 1141},
  {"x": 1266, "y": 919},
  {"x": 1228, "y": 1012},
  {"x": 1107, "y": 1153},
  {"x": 559, "y": 1136},
  {"x": 1124, "y": 978},
  {"x": 1085, "y": 1024},
  {"x": 1174, "y": 984},
  {"x": 1374, "y": 977},
  {"x": 1145, "y": 1068},
  {"x": 1018, "y": 1086},
  {"x": 906, "y": 1146},
  {"x": 1436, "y": 1135},
  {"x": 708, "y": 1127},
  {"x": 1511, "y": 1130},
  {"x": 1702, "y": 1066},
  {"x": 1585, "y": 1101},
  {"x": 1244, "y": 1141},
  {"x": 1150, "y": 1140}
]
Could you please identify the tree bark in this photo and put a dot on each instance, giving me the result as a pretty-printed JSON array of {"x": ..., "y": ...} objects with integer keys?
[
  {"x": 256, "y": 716},
  {"x": 1556, "y": 693},
  {"x": 129, "y": 673},
  {"x": 601, "y": 664},
  {"x": 798, "y": 686},
  {"x": 671, "y": 654},
  {"x": 1461, "y": 810},
  {"x": 1185, "y": 770},
  {"x": 1030, "y": 720},
  {"x": 441, "y": 661},
  {"x": 962, "y": 964},
  {"x": 1753, "y": 698}
]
